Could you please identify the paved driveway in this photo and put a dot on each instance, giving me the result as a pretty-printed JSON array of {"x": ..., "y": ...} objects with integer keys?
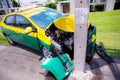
[{"x": 19, "y": 63}]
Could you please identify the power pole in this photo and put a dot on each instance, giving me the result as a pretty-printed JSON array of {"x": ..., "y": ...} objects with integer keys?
[
  {"x": 80, "y": 34},
  {"x": 80, "y": 8}
]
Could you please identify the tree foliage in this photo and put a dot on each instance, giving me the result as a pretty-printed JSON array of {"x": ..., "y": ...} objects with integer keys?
[
  {"x": 53, "y": 5},
  {"x": 15, "y": 4}
]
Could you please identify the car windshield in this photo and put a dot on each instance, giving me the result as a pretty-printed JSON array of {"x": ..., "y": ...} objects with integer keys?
[{"x": 46, "y": 17}]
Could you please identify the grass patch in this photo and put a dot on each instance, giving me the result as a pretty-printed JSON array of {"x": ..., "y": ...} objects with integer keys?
[
  {"x": 108, "y": 30},
  {"x": 3, "y": 39}
]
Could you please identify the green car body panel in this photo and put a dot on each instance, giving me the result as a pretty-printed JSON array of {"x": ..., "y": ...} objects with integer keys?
[
  {"x": 25, "y": 40},
  {"x": 91, "y": 43}
]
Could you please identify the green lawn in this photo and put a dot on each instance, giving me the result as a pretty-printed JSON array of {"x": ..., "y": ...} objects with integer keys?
[
  {"x": 2, "y": 39},
  {"x": 108, "y": 30}
]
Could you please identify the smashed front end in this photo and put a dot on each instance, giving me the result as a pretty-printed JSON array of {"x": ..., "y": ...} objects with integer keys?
[{"x": 61, "y": 34}]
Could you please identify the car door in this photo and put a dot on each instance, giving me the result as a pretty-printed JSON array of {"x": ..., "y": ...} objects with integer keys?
[
  {"x": 29, "y": 40},
  {"x": 9, "y": 28}
]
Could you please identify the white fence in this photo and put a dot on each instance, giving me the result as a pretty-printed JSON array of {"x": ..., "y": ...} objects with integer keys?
[{"x": 1, "y": 16}]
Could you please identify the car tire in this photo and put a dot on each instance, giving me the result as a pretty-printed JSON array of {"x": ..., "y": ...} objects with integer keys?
[{"x": 11, "y": 42}]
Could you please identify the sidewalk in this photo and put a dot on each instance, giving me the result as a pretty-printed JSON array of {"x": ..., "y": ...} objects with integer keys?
[{"x": 17, "y": 63}]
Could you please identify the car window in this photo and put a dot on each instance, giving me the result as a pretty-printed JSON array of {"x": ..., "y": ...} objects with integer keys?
[
  {"x": 22, "y": 22},
  {"x": 10, "y": 20}
]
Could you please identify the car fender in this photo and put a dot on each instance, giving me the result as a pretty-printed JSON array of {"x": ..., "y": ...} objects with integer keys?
[{"x": 56, "y": 67}]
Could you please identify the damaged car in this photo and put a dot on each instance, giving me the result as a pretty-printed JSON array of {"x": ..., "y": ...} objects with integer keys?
[{"x": 50, "y": 32}]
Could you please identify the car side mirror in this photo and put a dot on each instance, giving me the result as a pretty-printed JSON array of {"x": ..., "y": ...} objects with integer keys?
[{"x": 28, "y": 30}]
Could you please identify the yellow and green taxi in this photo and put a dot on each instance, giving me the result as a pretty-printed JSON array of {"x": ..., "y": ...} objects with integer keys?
[{"x": 48, "y": 31}]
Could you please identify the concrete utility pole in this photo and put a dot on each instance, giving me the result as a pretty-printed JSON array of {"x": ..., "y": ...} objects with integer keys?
[
  {"x": 80, "y": 34},
  {"x": 109, "y": 5},
  {"x": 81, "y": 10}
]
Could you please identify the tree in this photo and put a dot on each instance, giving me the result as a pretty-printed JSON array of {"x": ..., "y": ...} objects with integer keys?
[
  {"x": 54, "y": 4},
  {"x": 15, "y": 4},
  {"x": 51, "y": 5}
]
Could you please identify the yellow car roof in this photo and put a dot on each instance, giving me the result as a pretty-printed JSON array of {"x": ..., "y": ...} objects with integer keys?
[
  {"x": 29, "y": 12},
  {"x": 32, "y": 11}
]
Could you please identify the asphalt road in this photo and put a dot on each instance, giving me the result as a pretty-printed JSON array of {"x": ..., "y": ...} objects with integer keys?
[
  {"x": 20, "y": 63},
  {"x": 17, "y": 63}
]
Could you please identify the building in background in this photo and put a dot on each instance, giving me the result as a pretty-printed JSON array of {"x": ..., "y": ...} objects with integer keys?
[
  {"x": 6, "y": 7},
  {"x": 26, "y": 3},
  {"x": 95, "y": 5}
]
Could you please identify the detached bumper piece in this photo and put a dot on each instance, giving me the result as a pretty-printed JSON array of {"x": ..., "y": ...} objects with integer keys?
[{"x": 60, "y": 66}]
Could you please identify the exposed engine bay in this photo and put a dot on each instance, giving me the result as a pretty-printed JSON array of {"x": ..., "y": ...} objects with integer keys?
[{"x": 64, "y": 41}]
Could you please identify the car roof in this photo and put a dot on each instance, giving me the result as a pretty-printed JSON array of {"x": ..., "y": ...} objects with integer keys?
[
  {"x": 31, "y": 11},
  {"x": 28, "y": 12}
]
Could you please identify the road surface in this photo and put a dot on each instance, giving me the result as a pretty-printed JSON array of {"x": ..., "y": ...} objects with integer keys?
[{"x": 20, "y": 63}]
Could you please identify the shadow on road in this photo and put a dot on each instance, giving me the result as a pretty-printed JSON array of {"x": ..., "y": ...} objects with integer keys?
[
  {"x": 115, "y": 71},
  {"x": 96, "y": 65},
  {"x": 95, "y": 69},
  {"x": 99, "y": 72},
  {"x": 28, "y": 49},
  {"x": 31, "y": 50},
  {"x": 47, "y": 74}
]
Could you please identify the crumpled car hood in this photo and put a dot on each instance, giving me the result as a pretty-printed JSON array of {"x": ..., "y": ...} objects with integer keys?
[{"x": 65, "y": 23}]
